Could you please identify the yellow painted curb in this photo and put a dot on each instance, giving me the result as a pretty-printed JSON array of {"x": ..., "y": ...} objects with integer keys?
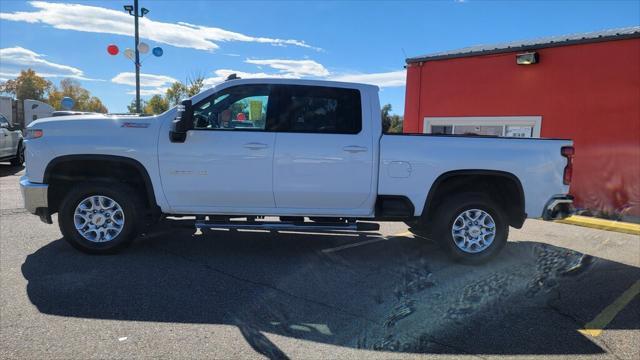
[{"x": 602, "y": 224}]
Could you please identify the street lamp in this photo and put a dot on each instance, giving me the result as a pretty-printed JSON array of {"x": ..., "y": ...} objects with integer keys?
[{"x": 133, "y": 10}]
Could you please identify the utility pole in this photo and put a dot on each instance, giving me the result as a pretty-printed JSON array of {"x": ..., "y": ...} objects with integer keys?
[
  {"x": 133, "y": 10},
  {"x": 137, "y": 40}
]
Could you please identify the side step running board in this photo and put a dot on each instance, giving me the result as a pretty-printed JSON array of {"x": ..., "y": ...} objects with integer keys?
[{"x": 287, "y": 226}]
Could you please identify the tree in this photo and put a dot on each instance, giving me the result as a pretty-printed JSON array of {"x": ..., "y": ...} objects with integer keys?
[
  {"x": 196, "y": 84},
  {"x": 390, "y": 123},
  {"x": 28, "y": 85},
  {"x": 176, "y": 92},
  {"x": 179, "y": 90},
  {"x": 156, "y": 105},
  {"x": 81, "y": 96},
  {"x": 131, "y": 108}
]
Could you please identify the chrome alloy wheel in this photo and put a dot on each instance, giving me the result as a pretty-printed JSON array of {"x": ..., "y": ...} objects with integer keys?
[
  {"x": 98, "y": 218},
  {"x": 473, "y": 231}
]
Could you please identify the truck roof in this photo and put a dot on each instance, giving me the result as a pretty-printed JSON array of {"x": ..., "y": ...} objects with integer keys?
[
  {"x": 281, "y": 81},
  {"x": 287, "y": 81}
]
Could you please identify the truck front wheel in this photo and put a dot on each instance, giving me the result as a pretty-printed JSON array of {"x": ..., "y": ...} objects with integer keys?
[
  {"x": 99, "y": 218},
  {"x": 471, "y": 227}
]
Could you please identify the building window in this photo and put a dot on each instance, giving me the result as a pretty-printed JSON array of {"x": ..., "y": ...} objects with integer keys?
[
  {"x": 442, "y": 129},
  {"x": 506, "y": 126}
]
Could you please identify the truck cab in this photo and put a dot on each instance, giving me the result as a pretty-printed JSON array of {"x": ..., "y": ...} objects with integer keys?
[{"x": 309, "y": 150}]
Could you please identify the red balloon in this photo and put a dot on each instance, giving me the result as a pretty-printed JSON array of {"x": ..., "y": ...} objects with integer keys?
[{"x": 112, "y": 49}]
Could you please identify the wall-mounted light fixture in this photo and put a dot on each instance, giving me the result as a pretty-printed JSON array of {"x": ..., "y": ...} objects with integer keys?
[{"x": 528, "y": 58}]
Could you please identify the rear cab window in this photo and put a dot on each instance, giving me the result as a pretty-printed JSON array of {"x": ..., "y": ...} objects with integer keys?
[{"x": 317, "y": 109}]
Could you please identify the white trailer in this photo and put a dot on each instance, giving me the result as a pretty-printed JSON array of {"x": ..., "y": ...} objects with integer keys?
[
  {"x": 22, "y": 113},
  {"x": 6, "y": 108}
]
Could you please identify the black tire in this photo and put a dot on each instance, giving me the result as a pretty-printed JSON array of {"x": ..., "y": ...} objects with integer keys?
[
  {"x": 448, "y": 212},
  {"x": 19, "y": 159},
  {"x": 130, "y": 203}
]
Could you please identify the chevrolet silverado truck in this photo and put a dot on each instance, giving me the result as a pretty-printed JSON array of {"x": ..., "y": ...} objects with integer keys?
[{"x": 311, "y": 154}]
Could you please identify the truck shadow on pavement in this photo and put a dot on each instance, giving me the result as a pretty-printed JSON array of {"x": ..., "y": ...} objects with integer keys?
[{"x": 398, "y": 295}]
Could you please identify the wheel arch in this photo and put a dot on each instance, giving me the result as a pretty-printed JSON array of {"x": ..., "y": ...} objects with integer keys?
[
  {"x": 122, "y": 163},
  {"x": 478, "y": 179}
]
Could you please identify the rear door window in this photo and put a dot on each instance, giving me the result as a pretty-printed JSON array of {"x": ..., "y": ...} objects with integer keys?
[{"x": 316, "y": 109}]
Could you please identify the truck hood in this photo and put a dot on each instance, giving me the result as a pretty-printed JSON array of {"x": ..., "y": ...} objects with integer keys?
[
  {"x": 49, "y": 121},
  {"x": 103, "y": 129}
]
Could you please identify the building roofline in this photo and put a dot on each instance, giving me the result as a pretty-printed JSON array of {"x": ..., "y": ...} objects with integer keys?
[{"x": 595, "y": 37}]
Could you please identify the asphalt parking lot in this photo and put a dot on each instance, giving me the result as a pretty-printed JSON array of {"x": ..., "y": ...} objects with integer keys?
[{"x": 387, "y": 294}]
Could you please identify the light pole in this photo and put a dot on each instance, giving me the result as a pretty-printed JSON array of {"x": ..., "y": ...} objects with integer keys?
[{"x": 133, "y": 10}]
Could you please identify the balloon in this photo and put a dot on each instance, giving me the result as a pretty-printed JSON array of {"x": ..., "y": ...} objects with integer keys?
[
  {"x": 113, "y": 49},
  {"x": 129, "y": 54},
  {"x": 67, "y": 103},
  {"x": 143, "y": 48},
  {"x": 157, "y": 51}
]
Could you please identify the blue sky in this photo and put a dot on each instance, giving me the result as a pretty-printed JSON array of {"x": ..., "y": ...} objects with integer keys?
[{"x": 353, "y": 41}]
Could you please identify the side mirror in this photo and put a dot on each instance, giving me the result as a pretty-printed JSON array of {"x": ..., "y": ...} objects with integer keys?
[{"x": 182, "y": 123}]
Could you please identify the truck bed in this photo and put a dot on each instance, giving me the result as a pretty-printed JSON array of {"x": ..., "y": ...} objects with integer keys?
[{"x": 411, "y": 163}]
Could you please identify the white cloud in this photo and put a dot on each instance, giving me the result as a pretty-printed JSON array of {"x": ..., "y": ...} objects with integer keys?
[
  {"x": 384, "y": 79},
  {"x": 14, "y": 59},
  {"x": 109, "y": 21},
  {"x": 146, "y": 80},
  {"x": 149, "y": 92},
  {"x": 288, "y": 69},
  {"x": 222, "y": 74},
  {"x": 150, "y": 84},
  {"x": 295, "y": 68}
]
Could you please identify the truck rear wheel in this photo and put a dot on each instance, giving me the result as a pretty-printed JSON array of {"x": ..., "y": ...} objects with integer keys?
[
  {"x": 471, "y": 227},
  {"x": 99, "y": 218}
]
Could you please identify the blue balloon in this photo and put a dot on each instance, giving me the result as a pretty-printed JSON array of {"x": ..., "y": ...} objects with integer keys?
[
  {"x": 157, "y": 51},
  {"x": 67, "y": 103}
]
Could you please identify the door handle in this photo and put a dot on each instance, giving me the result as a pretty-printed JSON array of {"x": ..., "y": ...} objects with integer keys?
[
  {"x": 354, "y": 149},
  {"x": 255, "y": 146}
]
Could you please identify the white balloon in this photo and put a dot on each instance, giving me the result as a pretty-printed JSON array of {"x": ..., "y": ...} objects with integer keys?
[
  {"x": 143, "y": 48},
  {"x": 129, "y": 54}
]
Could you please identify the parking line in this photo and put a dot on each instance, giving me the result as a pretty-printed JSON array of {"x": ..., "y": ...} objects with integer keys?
[
  {"x": 349, "y": 246},
  {"x": 594, "y": 327}
]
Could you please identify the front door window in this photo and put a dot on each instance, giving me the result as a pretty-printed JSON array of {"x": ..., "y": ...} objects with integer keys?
[{"x": 236, "y": 108}]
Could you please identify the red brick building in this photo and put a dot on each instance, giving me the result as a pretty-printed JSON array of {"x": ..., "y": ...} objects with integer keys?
[{"x": 584, "y": 87}]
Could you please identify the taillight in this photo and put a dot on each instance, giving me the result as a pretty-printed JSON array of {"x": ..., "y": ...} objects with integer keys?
[
  {"x": 33, "y": 134},
  {"x": 568, "y": 152}
]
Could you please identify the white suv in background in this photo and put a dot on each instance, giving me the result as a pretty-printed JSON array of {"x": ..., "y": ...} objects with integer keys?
[{"x": 11, "y": 143}]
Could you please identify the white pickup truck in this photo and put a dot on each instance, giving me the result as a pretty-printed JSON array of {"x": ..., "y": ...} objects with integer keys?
[{"x": 312, "y": 153}]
